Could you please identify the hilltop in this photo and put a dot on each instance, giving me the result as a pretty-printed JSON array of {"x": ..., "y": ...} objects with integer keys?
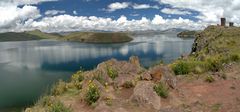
[
  {"x": 25, "y": 36},
  {"x": 98, "y": 37}
]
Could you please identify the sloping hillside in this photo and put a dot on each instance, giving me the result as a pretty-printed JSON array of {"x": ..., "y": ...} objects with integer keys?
[
  {"x": 98, "y": 37},
  {"x": 25, "y": 36}
]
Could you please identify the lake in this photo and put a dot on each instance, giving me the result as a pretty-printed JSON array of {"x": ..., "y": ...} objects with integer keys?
[{"x": 28, "y": 68}]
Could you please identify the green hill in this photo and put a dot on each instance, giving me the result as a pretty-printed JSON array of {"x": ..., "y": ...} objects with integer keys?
[
  {"x": 98, "y": 37},
  {"x": 25, "y": 36}
]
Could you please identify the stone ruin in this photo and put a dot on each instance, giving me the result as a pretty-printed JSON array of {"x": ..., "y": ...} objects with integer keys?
[{"x": 223, "y": 22}]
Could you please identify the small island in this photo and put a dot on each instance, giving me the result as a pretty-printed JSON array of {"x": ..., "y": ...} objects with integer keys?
[
  {"x": 187, "y": 34},
  {"x": 98, "y": 37}
]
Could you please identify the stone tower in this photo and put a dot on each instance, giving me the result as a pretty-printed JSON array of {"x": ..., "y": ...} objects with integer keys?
[
  {"x": 231, "y": 24},
  {"x": 223, "y": 21}
]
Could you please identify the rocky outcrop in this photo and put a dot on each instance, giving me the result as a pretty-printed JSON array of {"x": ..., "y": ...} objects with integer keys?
[
  {"x": 144, "y": 95},
  {"x": 163, "y": 74},
  {"x": 187, "y": 34}
]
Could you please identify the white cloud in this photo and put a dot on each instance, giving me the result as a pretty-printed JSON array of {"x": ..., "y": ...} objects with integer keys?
[
  {"x": 23, "y": 2},
  {"x": 117, "y": 5},
  {"x": 54, "y": 12},
  {"x": 12, "y": 16},
  {"x": 83, "y": 23},
  {"x": 210, "y": 10},
  {"x": 175, "y": 11},
  {"x": 75, "y": 12},
  {"x": 144, "y": 6}
]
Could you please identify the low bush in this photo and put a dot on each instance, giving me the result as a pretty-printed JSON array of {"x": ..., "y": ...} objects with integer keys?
[
  {"x": 51, "y": 104},
  {"x": 59, "y": 88},
  {"x": 92, "y": 94},
  {"x": 209, "y": 79},
  {"x": 234, "y": 57},
  {"x": 181, "y": 68},
  {"x": 112, "y": 73},
  {"x": 128, "y": 84},
  {"x": 78, "y": 77},
  {"x": 161, "y": 89},
  {"x": 58, "y": 107}
]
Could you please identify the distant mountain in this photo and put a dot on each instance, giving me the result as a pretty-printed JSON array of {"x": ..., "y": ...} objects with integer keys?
[
  {"x": 157, "y": 32},
  {"x": 173, "y": 30},
  {"x": 27, "y": 35}
]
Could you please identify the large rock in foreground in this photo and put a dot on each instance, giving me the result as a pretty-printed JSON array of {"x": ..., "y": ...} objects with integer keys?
[{"x": 144, "y": 95}]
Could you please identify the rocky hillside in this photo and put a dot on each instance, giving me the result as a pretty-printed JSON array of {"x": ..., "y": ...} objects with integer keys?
[
  {"x": 98, "y": 37},
  {"x": 207, "y": 80}
]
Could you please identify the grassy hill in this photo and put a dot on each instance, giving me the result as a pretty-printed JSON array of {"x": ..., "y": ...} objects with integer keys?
[
  {"x": 213, "y": 48},
  {"x": 25, "y": 36},
  {"x": 97, "y": 37}
]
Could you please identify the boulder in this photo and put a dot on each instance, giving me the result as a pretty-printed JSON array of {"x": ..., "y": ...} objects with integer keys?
[
  {"x": 144, "y": 95},
  {"x": 146, "y": 76},
  {"x": 163, "y": 74}
]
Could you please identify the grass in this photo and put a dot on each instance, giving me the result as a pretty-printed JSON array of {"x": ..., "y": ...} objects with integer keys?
[
  {"x": 161, "y": 89},
  {"x": 93, "y": 94},
  {"x": 51, "y": 104},
  {"x": 216, "y": 47},
  {"x": 59, "y": 88},
  {"x": 209, "y": 79},
  {"x": 112, "y": 73},
  {"x": 128, "y": 84}
]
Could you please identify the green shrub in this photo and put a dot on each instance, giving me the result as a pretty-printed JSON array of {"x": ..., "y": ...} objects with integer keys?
[
  {"x": 112, "y": 73},
  {"x": 78, "y": 77},
  {"x": 58, "y": 107},
  {"x": 181, "y": 68},
  {"x": 215, "y": 63},
  {"x": 209, "y": 79},
  {"x": 128, "y": 84},
  {"x": 161, "y": 90},
  {"x": 92, "y": 94},
  {"x": 234, "y": 57},
  {"x": 59, "y": 88}
]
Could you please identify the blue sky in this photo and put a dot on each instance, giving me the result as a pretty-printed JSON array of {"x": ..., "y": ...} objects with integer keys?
[
  {"x": 98, "y": 8},
  {"x": 114, "y": 15}
]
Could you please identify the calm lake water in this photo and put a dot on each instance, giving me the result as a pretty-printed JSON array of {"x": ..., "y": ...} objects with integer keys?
[{"x": 28, "y": 68}]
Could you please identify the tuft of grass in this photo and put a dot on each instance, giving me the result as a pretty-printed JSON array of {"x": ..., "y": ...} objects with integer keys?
[
  {"x": 209, "y": 79},
  {"x": 51, "y": 104},
  {"x": 112, "y": 73},
  {"x": 59, "y": 88},
  {"x": 78, "y": 77},
  {"x": 181, "y": 68},
  {"x": 58, "y": 107},
  {"x": 128, "y": 84},
  {"x": 234, "y": 57},
  {"x": 161, "y": 89},
  {"x": 93, "y": 94},
  {"x": 216, "y": 107}
]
